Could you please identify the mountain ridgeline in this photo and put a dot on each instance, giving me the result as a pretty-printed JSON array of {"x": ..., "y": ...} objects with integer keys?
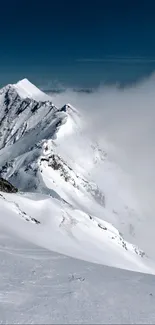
[{"x": 28, "y": 119}]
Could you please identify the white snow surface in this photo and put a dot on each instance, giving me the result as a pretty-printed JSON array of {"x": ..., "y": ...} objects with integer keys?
[
  {"x": 42, "y": 287},
  {"x": 69, "y": 231},
  {"x": 26, "y": 89},
  {"x": 65, "y": 232}
]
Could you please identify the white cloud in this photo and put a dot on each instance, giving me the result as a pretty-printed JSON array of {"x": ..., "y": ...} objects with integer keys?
[{"x": 126, "y": 119}]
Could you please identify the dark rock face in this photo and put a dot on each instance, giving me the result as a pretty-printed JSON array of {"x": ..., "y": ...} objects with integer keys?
[{"x": 5, "y": 186}]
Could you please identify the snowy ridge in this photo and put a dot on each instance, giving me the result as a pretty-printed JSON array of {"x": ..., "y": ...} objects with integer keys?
[
  {"x": 60, "y": 169},
  {"x": 64, "y": 206}
]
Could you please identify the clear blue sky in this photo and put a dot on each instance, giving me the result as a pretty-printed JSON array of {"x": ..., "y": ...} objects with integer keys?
[{"x": 71, "y": 41}]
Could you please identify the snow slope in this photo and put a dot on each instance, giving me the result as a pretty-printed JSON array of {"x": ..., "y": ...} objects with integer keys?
[
  {"x": 38, "y": 286},
  {"x": 62, "y": 205},
  {"x": 53, "y": 224}
]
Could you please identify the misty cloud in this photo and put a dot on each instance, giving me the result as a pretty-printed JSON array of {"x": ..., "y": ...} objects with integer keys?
[{"x": 123, "y": 120}]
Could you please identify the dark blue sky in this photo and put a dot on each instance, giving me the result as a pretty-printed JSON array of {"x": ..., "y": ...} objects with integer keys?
[{"x": 65, "y": 41}]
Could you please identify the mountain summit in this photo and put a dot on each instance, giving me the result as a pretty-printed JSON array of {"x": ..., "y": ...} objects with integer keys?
[{"x": 26, "y": 89}]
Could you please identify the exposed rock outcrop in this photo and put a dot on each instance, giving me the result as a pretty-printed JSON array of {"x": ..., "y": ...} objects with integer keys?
[{"x": 7, "y": 187}]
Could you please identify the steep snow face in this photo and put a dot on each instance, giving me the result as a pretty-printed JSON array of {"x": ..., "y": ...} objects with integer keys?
[
  {"x": 54, "y": 168},
  {"x": 45, "y": 150},
  {"x": 24, "y": 116}
]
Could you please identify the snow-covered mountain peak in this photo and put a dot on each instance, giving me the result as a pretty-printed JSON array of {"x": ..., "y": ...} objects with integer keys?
[
  {"x": 68, "y": 206},
  {"x": 45, "y": 150},
  {"x": 26, "y": 89}
]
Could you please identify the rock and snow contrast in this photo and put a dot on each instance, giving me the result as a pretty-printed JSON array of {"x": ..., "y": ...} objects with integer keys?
[{"x": 59, "y": 226}]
